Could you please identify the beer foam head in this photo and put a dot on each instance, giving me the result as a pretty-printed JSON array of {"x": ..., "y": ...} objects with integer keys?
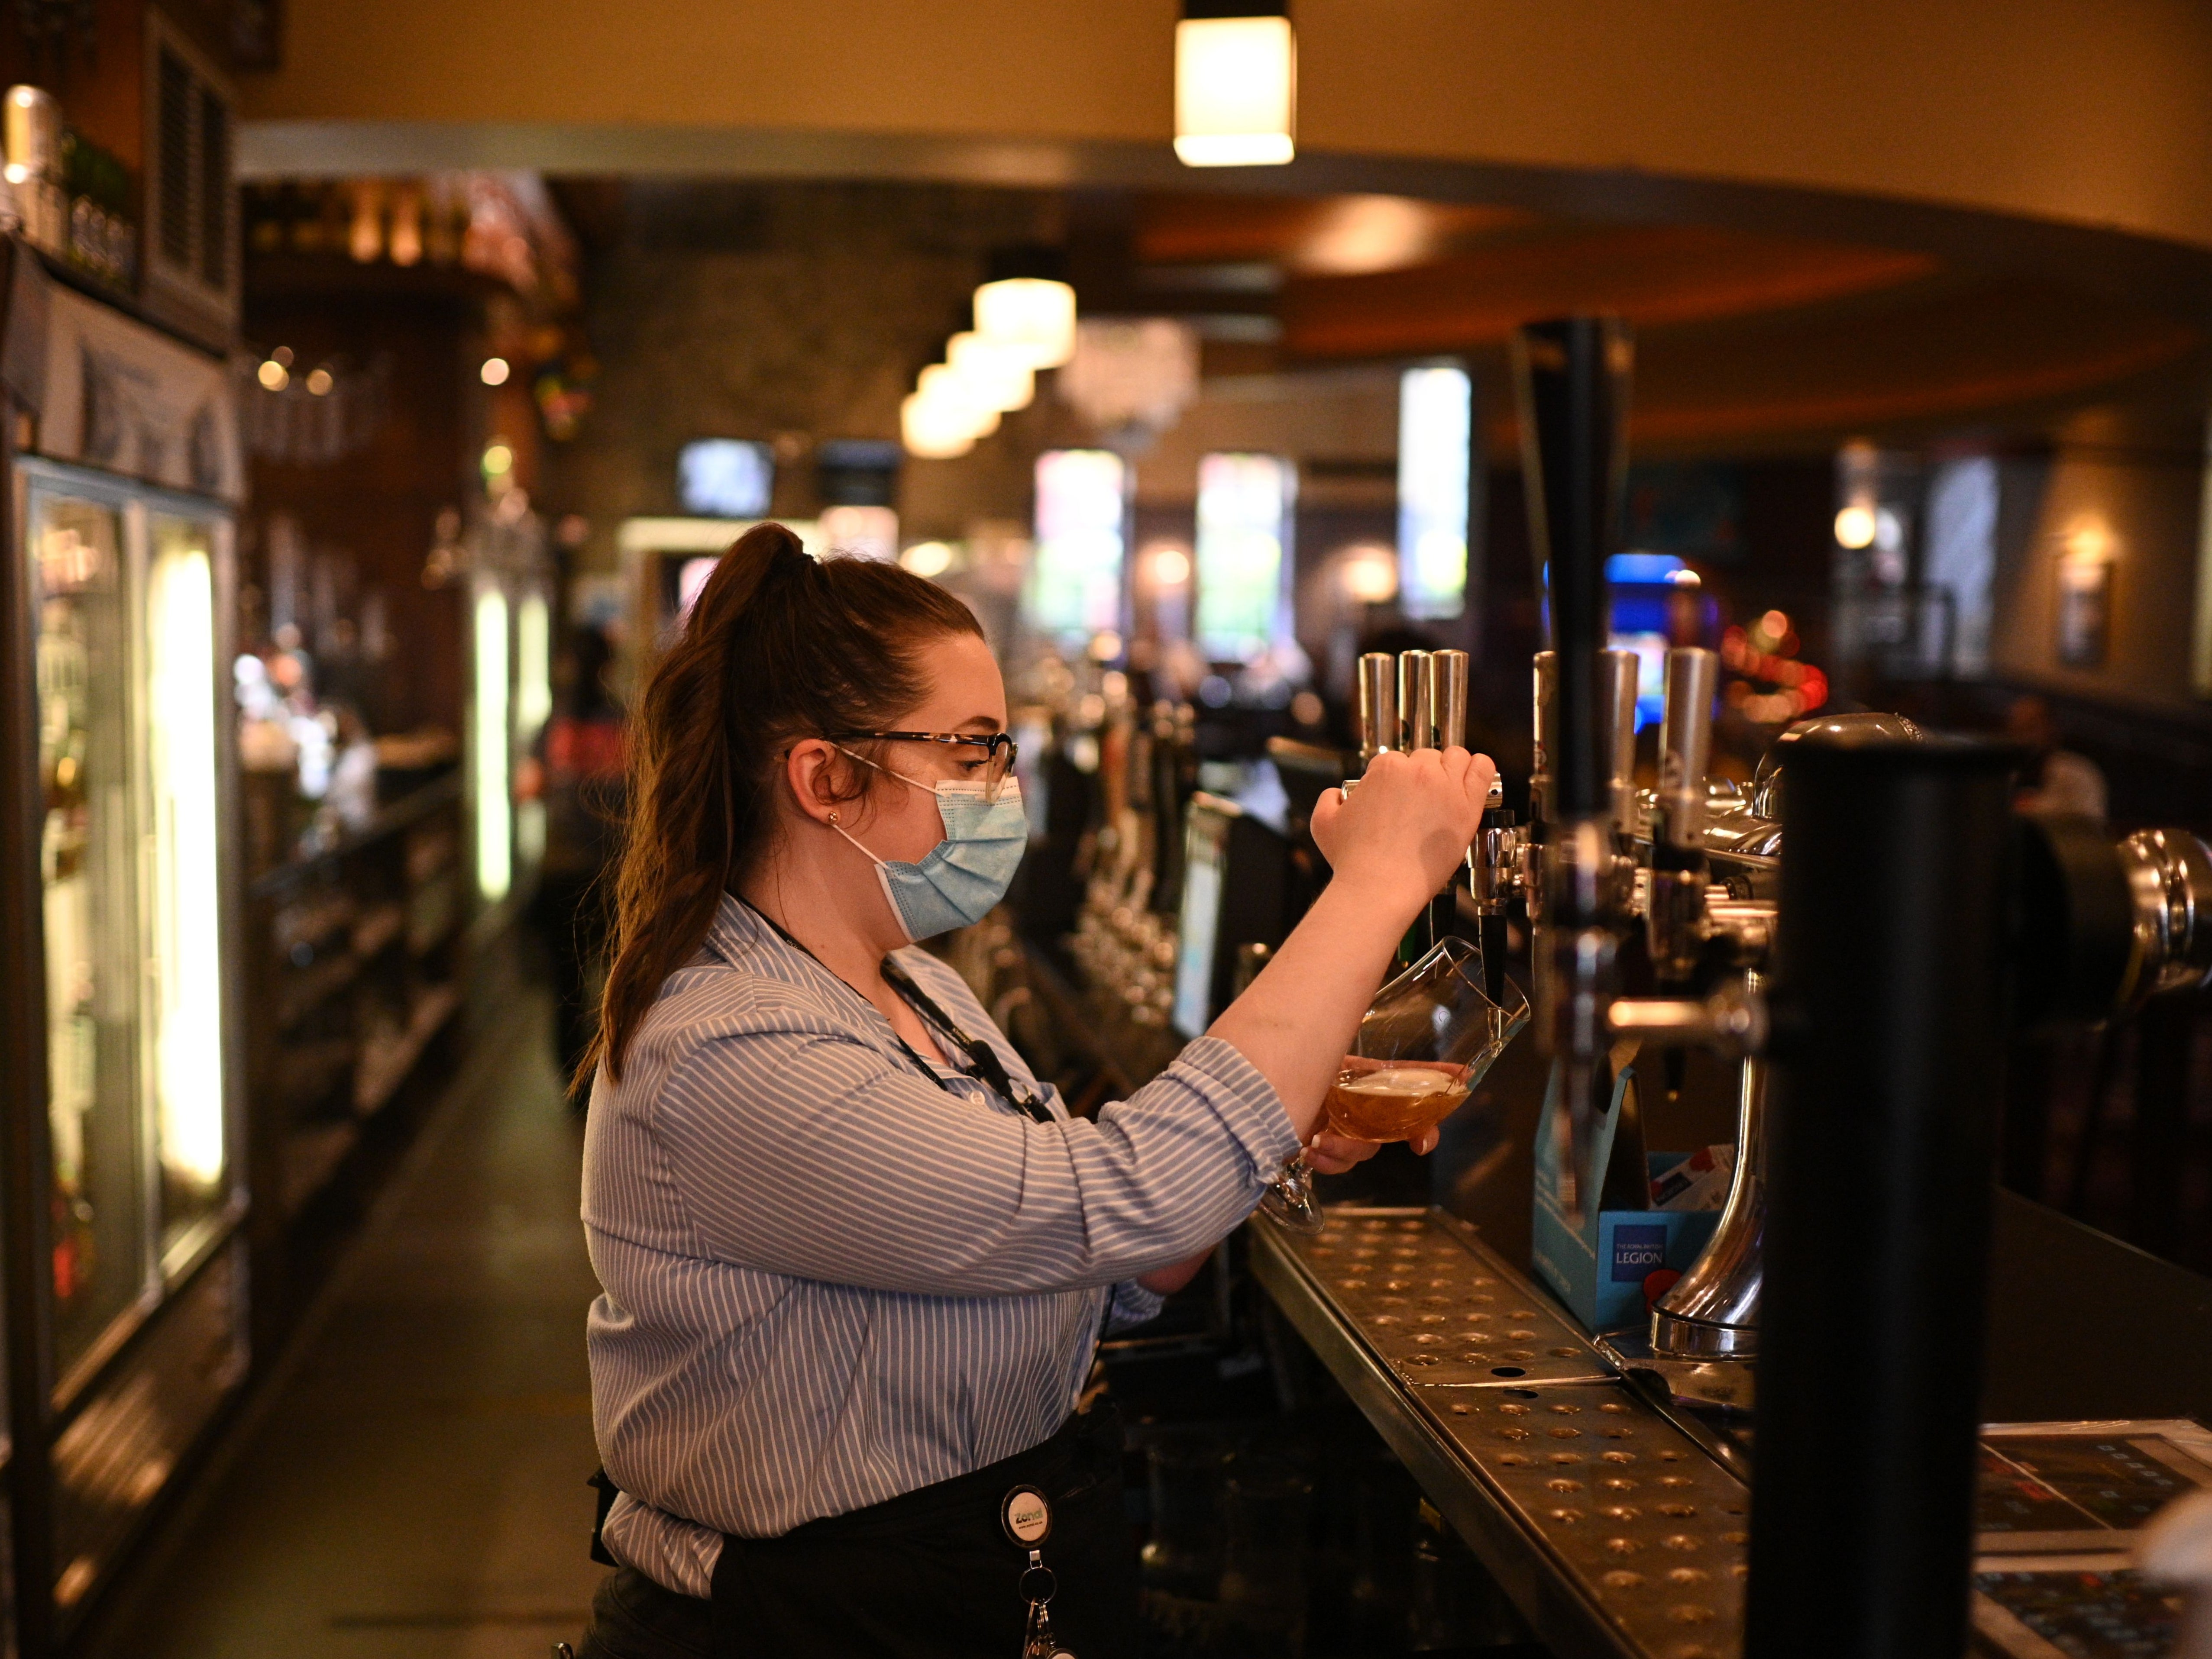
[{"x": 1403, "y": 1080}]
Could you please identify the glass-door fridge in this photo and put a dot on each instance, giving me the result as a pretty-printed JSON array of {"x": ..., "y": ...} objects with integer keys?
[{"x": 123, "y": 1194}]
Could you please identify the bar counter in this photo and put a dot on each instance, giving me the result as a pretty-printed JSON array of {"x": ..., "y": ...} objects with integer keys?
[
  {"x": 1615, "y": 1517},
  {"x": 1613, "y": 1509}
]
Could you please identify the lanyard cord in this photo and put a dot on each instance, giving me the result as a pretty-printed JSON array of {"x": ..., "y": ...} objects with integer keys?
[
  {"x": 990, "y": 1070},
  {"x": 980, "y": 1054}
]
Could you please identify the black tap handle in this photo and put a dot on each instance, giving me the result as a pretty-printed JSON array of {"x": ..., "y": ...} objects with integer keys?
[{"x": 1571, "y": 376}]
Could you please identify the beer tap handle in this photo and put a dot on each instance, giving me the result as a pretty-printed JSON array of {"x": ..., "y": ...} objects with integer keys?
[
  {"x": 1489, "y": 874},
  {"x": 1416, "y": 705},
  {"x": 1686, "y": 746},
  {"x": 1572, "y": 380},
  {"x": 1675, "y": 914},
  {"x": 1445, "y": 729},
  {"x": 1448, "y": 682},
  {"x": 1378, "y": 705},
  {"x": 1619, "y": 670}
]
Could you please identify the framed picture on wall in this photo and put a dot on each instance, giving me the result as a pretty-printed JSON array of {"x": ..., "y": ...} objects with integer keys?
[{"x": 2085, "y": 605}]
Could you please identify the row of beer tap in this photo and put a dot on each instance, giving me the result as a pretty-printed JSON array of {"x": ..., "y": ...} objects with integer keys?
[
  {"x": 1692, "y": 866},
  {"x": 1858, "y": 932},
  {"x": 1144, "y": 761},
  {"x": 1861, "y": 934}
]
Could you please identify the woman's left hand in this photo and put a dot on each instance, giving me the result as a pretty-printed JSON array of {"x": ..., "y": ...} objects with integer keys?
[{"x": 1331, "y": 1154}]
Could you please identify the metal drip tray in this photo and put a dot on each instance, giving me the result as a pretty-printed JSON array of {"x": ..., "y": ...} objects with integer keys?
[
  {"x": 1437, "y": 1307},
  {"x": 1653, "y": 1529},
  {"x": 1613, "y": 1530}
]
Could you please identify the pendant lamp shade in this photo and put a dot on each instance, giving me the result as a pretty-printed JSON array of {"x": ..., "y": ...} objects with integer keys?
[
  {"x": 932, "y": 428},
  {"x": 944, "y": 390},
  {"x": 1236, "y": 86},
  {"x": 1033, "y": 316},
  {"x": 997, "y": 374}
]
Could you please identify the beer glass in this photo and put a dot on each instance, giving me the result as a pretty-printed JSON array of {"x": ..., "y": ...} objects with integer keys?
[{"x": 1424, "y": 1045}]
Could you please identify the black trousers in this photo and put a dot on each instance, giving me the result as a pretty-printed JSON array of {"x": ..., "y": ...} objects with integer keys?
[{"x": 926, "y": 1575}]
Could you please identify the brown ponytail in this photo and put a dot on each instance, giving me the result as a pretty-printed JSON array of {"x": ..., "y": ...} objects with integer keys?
[{"x": 778, "y": 646}]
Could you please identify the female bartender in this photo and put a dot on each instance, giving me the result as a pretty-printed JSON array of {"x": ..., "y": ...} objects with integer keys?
[{"x": 856, "y": 1259}]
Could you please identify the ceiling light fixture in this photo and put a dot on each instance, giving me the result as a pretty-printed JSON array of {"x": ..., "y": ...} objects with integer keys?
[
  {"x": 1026, "y": 305},
  {"x": 1237, "y": 84},
  {"x": 997, "y": 374},
  {"x": 942, "y": 389},
  {"x": 931, "y": 428}
]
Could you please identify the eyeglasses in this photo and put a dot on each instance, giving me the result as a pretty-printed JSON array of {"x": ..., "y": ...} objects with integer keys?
[{"x": 999, "y": 750}]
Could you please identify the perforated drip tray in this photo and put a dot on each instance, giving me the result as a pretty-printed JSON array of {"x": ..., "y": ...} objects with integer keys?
[
  {"x": 1621, "y": 1529},
  {"x": 1437, "y": 1306},
  {"x": 1655, "y": 1531},
  {"x": 1611, "y": 1526}
]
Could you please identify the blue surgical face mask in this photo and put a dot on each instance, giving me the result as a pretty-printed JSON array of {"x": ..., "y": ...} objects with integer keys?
[{"x": 965, "y": 876}]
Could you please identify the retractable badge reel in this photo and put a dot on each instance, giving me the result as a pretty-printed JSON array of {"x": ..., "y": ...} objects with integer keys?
[{"x": 1026, "y": 1515}]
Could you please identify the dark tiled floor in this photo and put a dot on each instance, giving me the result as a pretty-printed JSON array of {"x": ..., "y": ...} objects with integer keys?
[{"x": 415, "y": 1485}]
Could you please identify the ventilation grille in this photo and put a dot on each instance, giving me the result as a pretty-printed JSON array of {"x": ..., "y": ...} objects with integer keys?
[
  {"x": 215, "y": 195},
  {"x": 175, "y": 125},
  {"x": 191, "y": 217}
]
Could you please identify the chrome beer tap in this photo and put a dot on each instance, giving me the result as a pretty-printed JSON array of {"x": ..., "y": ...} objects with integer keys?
[
  {"x": 1378, "y": 704},
  {"x": 1448, "y": 686},
  {"x": 1703, "y": 934},
  {"x": 1711, "y": 1311},
  {"x": 1415, "y": 700}
]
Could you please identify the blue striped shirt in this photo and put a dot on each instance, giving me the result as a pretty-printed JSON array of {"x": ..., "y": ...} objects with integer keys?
[{"x": 829, "y": 1280}]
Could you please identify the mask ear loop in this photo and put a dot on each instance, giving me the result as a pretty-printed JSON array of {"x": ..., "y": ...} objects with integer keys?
[{"x": 910, "y": 783}]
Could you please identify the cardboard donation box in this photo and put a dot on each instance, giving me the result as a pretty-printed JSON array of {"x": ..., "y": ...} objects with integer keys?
[{"x": 1598, "y": 1266}]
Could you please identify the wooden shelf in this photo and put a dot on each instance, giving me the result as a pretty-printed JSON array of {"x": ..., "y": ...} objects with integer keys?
[
  {"x": 312, "y": 1156},
  {"x": 410, "y": 808},
  {"x": 381, "y": 1071},
  {"x": 376, "y": 930},
  {"x": 307, "y": 989}
]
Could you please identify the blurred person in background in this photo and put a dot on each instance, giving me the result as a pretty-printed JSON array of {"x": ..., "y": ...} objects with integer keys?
[
  {"x": 2054, "y": 780},
  {"x": 584, "y": 797}
]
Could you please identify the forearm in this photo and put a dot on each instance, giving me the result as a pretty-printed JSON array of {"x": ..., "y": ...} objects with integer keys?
[{"x": 1296, "y": 1021}]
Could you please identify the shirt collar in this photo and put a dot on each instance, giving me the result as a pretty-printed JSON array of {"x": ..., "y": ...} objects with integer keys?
[{"x": 742, "y": 938}]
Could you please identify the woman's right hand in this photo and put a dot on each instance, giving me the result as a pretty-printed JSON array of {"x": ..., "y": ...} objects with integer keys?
[
  {"x": 1407, "y": 826},
  {"x": 1392, "y": 847}
]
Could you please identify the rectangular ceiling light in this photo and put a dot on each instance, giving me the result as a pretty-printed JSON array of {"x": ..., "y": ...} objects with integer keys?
[{"x": 1237, "y": 86}]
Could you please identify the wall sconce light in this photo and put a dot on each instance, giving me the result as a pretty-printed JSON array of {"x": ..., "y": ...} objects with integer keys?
[
  {"x": 1237, "y": 84},
  {"x": 2085, "y": 595},
  {"x": 1368, "y": 574},
  {"x": 1167, "y": 565}
]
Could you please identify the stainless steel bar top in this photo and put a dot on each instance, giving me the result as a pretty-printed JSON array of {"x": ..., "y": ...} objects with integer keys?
[{"x": 1615, "y": 1532}]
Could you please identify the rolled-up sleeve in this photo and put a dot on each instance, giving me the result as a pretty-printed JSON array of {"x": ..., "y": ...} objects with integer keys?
[
  {"x": 797, "y": 1149},
  {"x": 1132, "y": 1305}
]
